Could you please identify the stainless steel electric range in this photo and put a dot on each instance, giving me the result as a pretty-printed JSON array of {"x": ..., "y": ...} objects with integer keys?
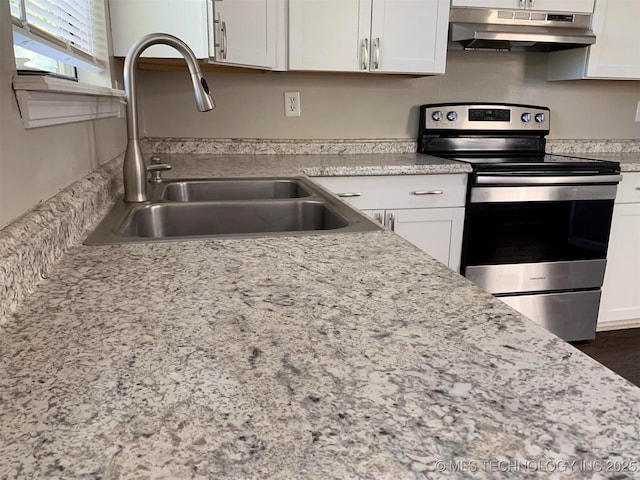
[{"x": 536, "y": 225}]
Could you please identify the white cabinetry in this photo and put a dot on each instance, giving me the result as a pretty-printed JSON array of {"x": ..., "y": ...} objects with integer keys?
[
  {"x": 245, "y": 32},
  {"x": 569, "y": 6},
  {"x": 379, "y": 36},
  {"x": 614, "y": 55},
  {"x": 620, "y": 301},
  {"x": 186, "y": 19},
  {"x": 426, "y": 210},
  {"x": 238, "y": 32}
]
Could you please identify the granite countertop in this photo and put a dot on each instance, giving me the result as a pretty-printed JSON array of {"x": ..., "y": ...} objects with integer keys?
[
  {"x": 320, "y": 356},
  {"x": 312, "y": 165}
]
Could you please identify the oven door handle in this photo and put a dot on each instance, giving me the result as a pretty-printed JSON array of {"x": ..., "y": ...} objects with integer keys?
[{"x": 544, "y": 180}]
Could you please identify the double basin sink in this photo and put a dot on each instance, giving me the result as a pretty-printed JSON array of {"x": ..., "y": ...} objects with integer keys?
[{"x": 229, "y": 207}]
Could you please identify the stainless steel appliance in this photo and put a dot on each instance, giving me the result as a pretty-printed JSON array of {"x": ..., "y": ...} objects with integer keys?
[
  {"x": 536, "y": 225},
  {"x": 518, "y": 29}
]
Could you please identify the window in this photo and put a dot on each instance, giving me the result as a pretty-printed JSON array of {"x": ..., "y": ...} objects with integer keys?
[
  {"x": 69, "y": 39},
  {"x": 56, "y": 35}
]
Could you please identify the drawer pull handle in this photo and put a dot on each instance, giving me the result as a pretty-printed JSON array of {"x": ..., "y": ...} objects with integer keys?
[
  {"x": 427, "y": 192},
  {"x": 349, "y": 195}
]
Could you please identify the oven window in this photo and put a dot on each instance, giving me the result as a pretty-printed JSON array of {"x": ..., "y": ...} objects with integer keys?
[{"x": 527, "y": 232}]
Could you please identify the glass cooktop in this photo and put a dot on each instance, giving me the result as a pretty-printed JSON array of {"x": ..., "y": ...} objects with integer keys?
[{"x": 539, "y": 163}]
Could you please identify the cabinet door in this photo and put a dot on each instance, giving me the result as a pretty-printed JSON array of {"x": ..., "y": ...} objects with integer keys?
[
  {"x": 615, "y": 54},
  {"x": 488, "y": 3},
  {"x": 436, "y": 231},
  {"x": 377, "y": 215},
  {"x": 409, "y": 36},
  {"x": 329, "y": 35},
  {"x": 573, "y": 6},
  {"x": 186, "y": 19},
  {"x": 245, "y": 32},
  {"x": 576, "y": 6},
  {"x": 621, "y": 288}
]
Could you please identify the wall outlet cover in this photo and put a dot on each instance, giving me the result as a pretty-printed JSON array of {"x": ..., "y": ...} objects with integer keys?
[{"x": 292, "y": 104}]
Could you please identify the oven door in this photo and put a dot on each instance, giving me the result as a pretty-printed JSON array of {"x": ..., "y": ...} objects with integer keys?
[
  {"x": 531, "y": 238},
  {"x": 542, "y": 249}
]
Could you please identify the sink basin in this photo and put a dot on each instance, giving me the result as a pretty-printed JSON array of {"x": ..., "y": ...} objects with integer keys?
[
  {"x": 291, "y": 207},
  {"x": 181, "y": 220},
  {"x": 233, "y": 189}
]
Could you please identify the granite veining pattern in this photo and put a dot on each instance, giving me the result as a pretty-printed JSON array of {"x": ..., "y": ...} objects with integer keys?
[
  {"x": 31, "y": 245},
  {"x": 592, "y": 146},
  {"x": 319, "y": 357},
  {"x": 277, "y": 147},
  {"x": 313, "y": 357},
  {"x": 312, "y": 165}
]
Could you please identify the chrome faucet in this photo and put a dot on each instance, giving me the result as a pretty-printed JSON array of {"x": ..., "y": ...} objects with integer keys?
[{"x": 134, "y": 169}]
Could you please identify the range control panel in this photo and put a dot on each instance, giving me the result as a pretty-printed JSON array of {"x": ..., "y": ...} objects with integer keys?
[{"x": 488, "y": 116}]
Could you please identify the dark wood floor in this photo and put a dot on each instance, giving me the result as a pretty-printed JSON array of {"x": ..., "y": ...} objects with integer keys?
[{"x": 618, "y": 350}]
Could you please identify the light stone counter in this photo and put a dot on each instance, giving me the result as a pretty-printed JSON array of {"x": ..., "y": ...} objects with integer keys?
[
  {"x": 312, "y": 165},
  {"x": 321, "y": 356}
]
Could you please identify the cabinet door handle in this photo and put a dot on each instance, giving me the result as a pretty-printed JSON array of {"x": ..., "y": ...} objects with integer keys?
[
  {"x": 376, "y": 55},
  {"x": 378, "y": 218},
  {"x": 428, "y": 192},
  {"x": 365, "y": 54},
  {"x": 391, "y": 221},
  {"x": 531, "y": 2},
  {"x": 223, "y": 41},
  {"x": 521, "y": 2},
  {"x": 349, "y": 194}
]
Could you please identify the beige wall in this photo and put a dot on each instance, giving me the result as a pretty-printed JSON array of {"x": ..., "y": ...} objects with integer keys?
[
  {"x": 35, "y": 164},
  {"x": 369, "y": 106}
]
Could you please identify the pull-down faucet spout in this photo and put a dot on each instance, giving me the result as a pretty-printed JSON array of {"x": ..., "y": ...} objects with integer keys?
[{"x": 134, "y": 169}]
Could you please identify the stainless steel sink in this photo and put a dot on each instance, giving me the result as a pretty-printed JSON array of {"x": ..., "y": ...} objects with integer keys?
[
  {"x": 233, "y": 189},
  {"x": 171, "y": 216}
]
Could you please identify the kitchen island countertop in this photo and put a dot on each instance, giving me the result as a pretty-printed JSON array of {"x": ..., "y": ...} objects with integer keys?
[{"x": 320, "y": 356}]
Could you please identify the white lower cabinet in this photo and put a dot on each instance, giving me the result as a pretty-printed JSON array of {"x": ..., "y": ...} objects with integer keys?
[
  {"x": 437, "y": 231},
  {"x": 620, "y": 303},
  {"x": 426, "y": 210}
]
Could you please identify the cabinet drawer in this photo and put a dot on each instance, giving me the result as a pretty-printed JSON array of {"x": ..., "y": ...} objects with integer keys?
[
  {"x": 629, "y": 188},
  {"x": 399, "y": 191}
]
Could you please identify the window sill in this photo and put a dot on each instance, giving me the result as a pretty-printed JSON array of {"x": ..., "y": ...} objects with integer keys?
[{"x": 45, "y": 100}]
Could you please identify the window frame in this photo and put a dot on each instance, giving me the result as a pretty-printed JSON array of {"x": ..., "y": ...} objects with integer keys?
[{"x": 45, "y": 100}]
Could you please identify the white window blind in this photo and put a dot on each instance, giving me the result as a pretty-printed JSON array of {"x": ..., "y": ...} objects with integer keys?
[{"x": 60, "y": 29}]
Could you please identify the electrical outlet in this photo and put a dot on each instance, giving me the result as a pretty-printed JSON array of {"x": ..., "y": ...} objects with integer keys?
[
  {"x": 638, "y": 112},
  {"x": 291, "y": 104}
]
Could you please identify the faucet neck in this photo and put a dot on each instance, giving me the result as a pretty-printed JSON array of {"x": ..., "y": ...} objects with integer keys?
[{"x": 134, "y": 170}]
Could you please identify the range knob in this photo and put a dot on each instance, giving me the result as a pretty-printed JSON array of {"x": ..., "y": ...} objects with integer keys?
[
  {"x": 437, "y": 115},
  {"x": 539, "y": 117},
  {"x": 452, "y": 116},
  {"x": 526, "y": 117}
]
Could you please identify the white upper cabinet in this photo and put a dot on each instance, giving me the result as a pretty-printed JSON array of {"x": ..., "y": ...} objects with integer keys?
[
  {"x": 248, "y": 33},
  {"x": 408, "y": 36},
  {"x": 569, "y": 6},
  {"x": 244, "y": 32},
  {"x": 615, "y": 55},
  {"x": 379, "y": 36},
  {"x": 328, "y": 35},
  {"x": 186, "y": 19}
]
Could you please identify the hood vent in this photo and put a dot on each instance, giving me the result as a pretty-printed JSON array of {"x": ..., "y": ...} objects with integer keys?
[{"x": 518, "y": 30}]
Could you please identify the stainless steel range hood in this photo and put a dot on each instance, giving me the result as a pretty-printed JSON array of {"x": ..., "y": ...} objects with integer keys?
[{"x": 517, "y": 30}]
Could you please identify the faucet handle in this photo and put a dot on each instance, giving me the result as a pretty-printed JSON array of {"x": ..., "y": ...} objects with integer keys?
[{"x": 156, "y": 170}]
